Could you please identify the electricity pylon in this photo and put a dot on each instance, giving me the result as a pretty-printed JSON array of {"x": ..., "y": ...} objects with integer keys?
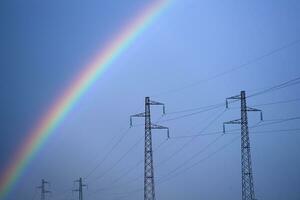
[
  {"x": 80, "y": 188},
  {"x": 247, "y": 175},
  {"x": 43, "y": 189},
  {"x": 149, "y": 187}
]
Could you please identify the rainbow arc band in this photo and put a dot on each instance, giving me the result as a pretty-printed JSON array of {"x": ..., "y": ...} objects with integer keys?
[{"x": 62, "y": 106}]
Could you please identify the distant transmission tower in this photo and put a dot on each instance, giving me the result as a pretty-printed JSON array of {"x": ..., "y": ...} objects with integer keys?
[
  {"x": 149, "y": 188},
  {"x": 80, "y": 188},
  {"x": 247, "y": 175},
  {"x": 43, "y": 189}
]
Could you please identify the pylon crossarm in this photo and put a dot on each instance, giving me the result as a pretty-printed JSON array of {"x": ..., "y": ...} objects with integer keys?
[
  {"x": 155, "y": 103},
  {"x": 155, "y": 126},
  {"x": 256, "y": 110},
  {"x": 236, "y": 121},
  {"x": 253, "y": 109},
  {"x": 43, "y": 189},
  {"x": 136, "y": 115},
  {"x": 232, "y": 98}
]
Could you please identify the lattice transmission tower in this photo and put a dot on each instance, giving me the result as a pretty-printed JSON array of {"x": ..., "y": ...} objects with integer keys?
[
  {"x": 246, "y": 162},
  {"x": 149, "y": 187},
  {"x": 42, "y": 187},
  {"x": 80, "y": 188}
]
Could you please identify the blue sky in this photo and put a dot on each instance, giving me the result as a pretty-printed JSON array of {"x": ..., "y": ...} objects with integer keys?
[{"x": 45, "y": 44}]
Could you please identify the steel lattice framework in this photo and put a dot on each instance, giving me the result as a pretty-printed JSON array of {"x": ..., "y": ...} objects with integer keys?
[
  {"x": 80, "y": 188},
  {"x": 149, "y": 190},
  {"x": 43, "y": 189},
  {"x": 247, "y": 175},
  {"x": 149, "y": 186}
]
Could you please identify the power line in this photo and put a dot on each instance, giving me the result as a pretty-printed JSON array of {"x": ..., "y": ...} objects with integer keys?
[
  {"x": 131, "y": 169},
  {"x": 195, "y": 155},
  {"x": 194, "y": 113},
  {"x": 203, "y": 108},
  {"x": 136, "y": 165},
  {"x": 120, "y": 159},
  {"x": 246, "y": 64},
  {"x": 274, "y": 103},
  {"x": 101, "y": 189},
  {"x": 278, "y": 102},
  {"x": 167, "y": 177},
  {"x": 274, "y": 121},
  {"x": 160, "y": 181},
  {"x": 188, "y": 160},
  {"x": 277, "y": 121},
  {"x": 191, "y": 140},
  {"x": 148, "y": 102},
  {"x": 285, "y": 84},
  {"x": 219, "y": 132},
  {"x": 289, "y": 83},
  {"x": 285, "y": 131},
  {"x": 234, "y": 131},
  {"x": 108, "y": 153}
]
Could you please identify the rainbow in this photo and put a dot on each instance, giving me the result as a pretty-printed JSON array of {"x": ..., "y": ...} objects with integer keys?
[{"x": 62, "y": 106}]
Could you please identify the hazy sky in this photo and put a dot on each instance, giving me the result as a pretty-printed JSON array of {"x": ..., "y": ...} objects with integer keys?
[{"x": 44, "y": 44}]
